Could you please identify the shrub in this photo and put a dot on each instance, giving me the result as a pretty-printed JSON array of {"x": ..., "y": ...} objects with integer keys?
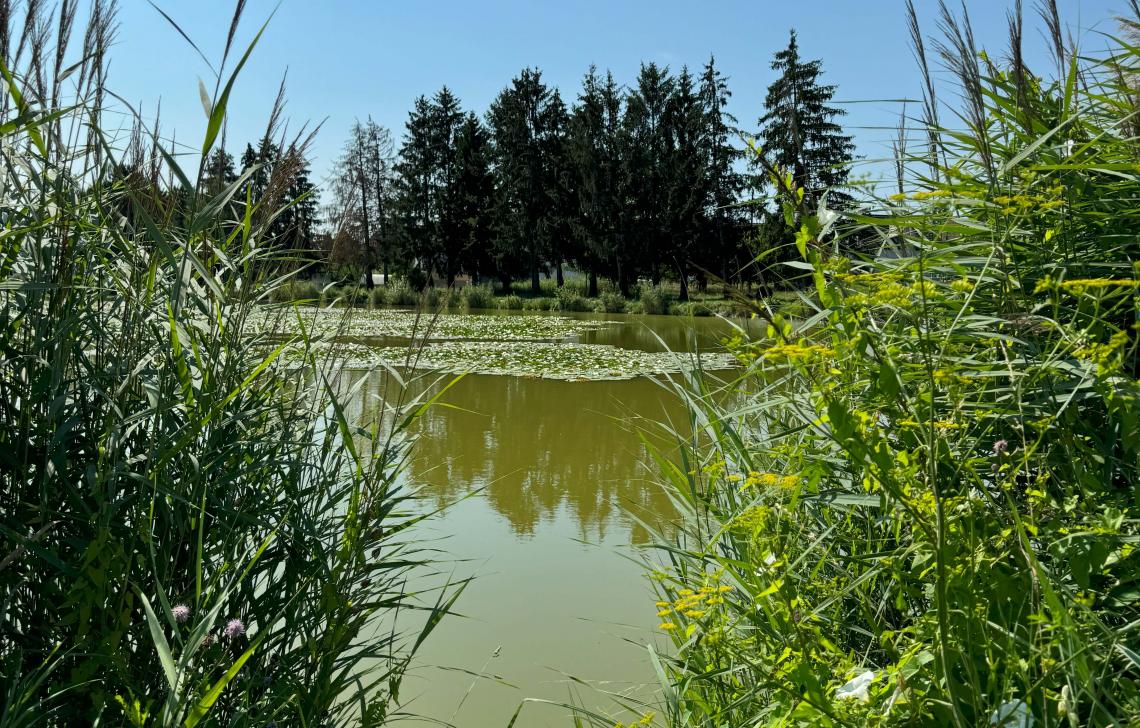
[
  {"x": 611, "y": 302},
  {"x": 510, "y": 303},
  {"x": 401, "y": 294},
  {"x": 438, "y": 298},
  {"x": 568, "y": 299},
  {"x": 539, "y": 304},
  {"x": 297, "y": 291},
  {"x": 379, "y": 296},
  {"x": 654, "y": 299},
  {"x": 477, "y": 297},
  {"x": 691, "y": 308},
  {"x": 356, "y": 295}
]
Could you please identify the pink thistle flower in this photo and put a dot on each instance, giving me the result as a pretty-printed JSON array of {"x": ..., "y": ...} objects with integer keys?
[
  {"x": 1000, "y": 447},
  {"x": 181, "y": 613},
  {"x": 234, "y": 628}
]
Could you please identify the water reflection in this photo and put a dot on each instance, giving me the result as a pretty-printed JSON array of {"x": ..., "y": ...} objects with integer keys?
[
  {"x": 557, "y": 468},
  {"x": 537, "y": 446}
]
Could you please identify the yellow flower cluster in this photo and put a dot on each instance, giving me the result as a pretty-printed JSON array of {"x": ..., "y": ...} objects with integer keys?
[
  {"x": 691, "y": 604},
  {"x": 921, "y": 195},
  {"x": 770, "y": 480},
  {"x": 962, "y": 285},
  {"x": 1080, "y": 286},
  {"x": 645, "y": 720},
  {"x": 940, "y": 425},
  {"x": 1105, "y": 356},
  {"x": 893, "y": 294},
  {"x": 794, "y": 352},
  {"x": 1023, "y": 203},
  {"x": 750, "y": 519},
  {"x": 947, "y": 378}
]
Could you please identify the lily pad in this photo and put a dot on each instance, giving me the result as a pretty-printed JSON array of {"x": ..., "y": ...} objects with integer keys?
[
  {"x": 390, "y": 323},
  {"x": 543, "y": 360}
]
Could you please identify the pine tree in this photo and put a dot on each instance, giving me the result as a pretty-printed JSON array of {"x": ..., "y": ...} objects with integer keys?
[{"x": 798, "y": 131}]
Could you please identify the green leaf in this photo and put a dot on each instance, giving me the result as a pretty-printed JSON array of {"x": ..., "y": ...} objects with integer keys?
[
  {"x": 160, "y": 644},
  {"x": 202, "y": 707}
]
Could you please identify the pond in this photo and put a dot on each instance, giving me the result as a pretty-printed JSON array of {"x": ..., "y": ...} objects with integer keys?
[{"x": 544, "y": 482}]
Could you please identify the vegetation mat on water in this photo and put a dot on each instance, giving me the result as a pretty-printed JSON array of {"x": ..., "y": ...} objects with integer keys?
[
  {"x": 388, "y": 323},
  {"x": 574, "y": 362}
]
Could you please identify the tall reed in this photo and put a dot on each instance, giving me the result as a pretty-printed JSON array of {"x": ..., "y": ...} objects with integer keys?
[
  {"x": 921, "y": 503},
  {"x": 192, "y": 531}
]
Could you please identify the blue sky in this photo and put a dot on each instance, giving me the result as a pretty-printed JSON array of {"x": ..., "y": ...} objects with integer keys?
[{"x": 355, "y": 58}]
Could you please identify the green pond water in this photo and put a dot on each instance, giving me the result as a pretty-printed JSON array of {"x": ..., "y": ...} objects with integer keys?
[{"x": 541, "y": 479}]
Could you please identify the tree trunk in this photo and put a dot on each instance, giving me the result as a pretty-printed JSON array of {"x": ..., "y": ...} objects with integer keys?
[
  {"x": 623, "y": 280},
  {"x": 561, "y": 279},
  {"x": 592, "y": 290},
  {"x": 535, "y": 283},
  {"x": 683, "y": 278},
  {"x": 506, "y": 281}
]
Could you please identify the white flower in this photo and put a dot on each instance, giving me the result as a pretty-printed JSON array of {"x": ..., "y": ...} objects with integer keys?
[
  {"x": 1069, "y": 148},
  {"x": 856, "y": 687},
  {"x": 1012, "y": 714}
]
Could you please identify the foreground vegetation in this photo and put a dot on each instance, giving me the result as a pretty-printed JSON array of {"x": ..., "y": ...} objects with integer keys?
[
  {"x": 922, "y": 508},
  {"x": 190, "y": 535}
]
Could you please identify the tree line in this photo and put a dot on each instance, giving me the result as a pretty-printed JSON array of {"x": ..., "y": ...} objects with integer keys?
[{"x": 645, "y": 181}]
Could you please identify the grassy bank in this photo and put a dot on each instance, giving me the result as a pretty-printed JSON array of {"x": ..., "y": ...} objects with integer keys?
[{"x": 571, "y": 297}]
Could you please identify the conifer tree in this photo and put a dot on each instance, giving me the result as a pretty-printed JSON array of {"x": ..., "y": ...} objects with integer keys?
[
  {"x": 595, "y": 140},
  {"x": 472, "y": 198},
  {"x": 685, "y": 177},
  {"x": 799, "y": 132},
  {"x": 721, "y": 239},
  {"x": 414, "y": 183},
  {"x": 520, "y": 120},
  {"x": 645, "y": 176},
  {"x": 800, "y": 136}
]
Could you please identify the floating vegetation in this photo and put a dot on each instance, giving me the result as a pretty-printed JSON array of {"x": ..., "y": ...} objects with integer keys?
[
  {"x": 573, "y": 362},
  {"x": 389, "y": 323}
]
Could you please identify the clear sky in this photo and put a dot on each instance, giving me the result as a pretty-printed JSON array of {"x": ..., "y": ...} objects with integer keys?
[{"x": 355, "y": 58}]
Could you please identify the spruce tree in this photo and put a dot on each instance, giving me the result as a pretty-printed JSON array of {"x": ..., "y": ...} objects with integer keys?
[
  {"x": 472, "y": 198},
  {"x": 646, "y": 159},
  {"x": 685, "y": 178},
  {"x": 520, "y": 120},
  {"x": 799, "y": 132},
  {"x": 721, "y": 239},
  {"x": 218, "y": 172},
  {"x": 446, "y": 244},
  {"x": 559, "y": 233},
  {"x": 800, "y": 136},
  {"x": 594, "y": 142},
  {"x": 414, "y": 183}
]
